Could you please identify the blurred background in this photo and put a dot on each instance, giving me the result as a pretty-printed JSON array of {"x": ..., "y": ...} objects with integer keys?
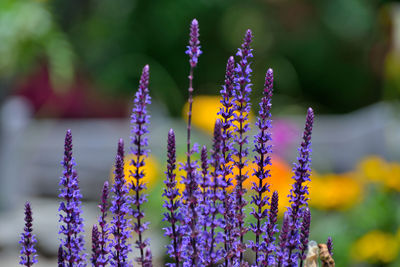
[{"x": 76, "y": 64}]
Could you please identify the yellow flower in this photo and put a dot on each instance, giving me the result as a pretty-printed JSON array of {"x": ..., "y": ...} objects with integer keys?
[
  {"x": 392, "y": 180},
  {"x": 375, "y": 246},
  {"x": 377, "y": 170},
  {"x": 150, "y": 170},
  {"x": 373, "y": 169},
  {"x": 204, "y": 112},
  {"x": 334, "y": 191}
]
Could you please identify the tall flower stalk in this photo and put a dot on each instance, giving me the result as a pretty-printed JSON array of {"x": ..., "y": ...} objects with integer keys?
[
  {"x": 242, "y": 109},
  {"x": 226, "y": 112},
  {"x": 120, "y": 225},
  {"x": 60, "y": 257},
  {"x": 190, "y": 194},
  {"x": 102, "y": 260},
  {"x": 272, "y": 229},
  {"x": 205, "y": 193},
  {"x": 215, "y": 198},
  {"x": 304, "y": 234},
  {"x": 263, "y": 150},
  {"x": 281, "y": 255},
  {"x": 139, "y": 142},
  {"x": 298, "y": 194},
  {"x": 28, "y": 240},
  {"x": 172, "y": 204},
  {"x": 95, "y": 246},
  {"x": 70, "y": 210}
]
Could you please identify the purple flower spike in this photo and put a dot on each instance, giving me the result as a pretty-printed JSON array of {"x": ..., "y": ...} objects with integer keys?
[
  {"x": 281, "y": 254},
  {"x": 70, "y": 208},
  {"x": 60, "y": 257},
  {"x": 148, "y": 259},
  {"x": 262, "y": 159},
  {"x": 272, "y": 229},
  {"x": 139, "y": 142},
  {"x": 193, "y": 49},
  {"x": 304, "y": 234},
  {"x": 298, "y": 193},
  {"x": 216, "y": 197},
  {"x": 95, "y": 246},
  {"x": 190, "y": 194},
  {"x": 172, "y": 204},
  {"x": 302, "y": 169},
  {"x": 226, "y": 112},
  {"x": 242, "y": 108},
  {"x": 120, "y": 225},
  {"x": 329, "y": 244},
  {"x": 204, "y": 185},
  {"x": 28, "y": 240},
  {"x": 102, "y": 260}
]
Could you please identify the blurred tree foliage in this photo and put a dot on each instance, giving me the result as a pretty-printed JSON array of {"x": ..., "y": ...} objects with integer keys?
[
  {"x": 329, "y": 54},
  {"x": 29, "y": 33}
]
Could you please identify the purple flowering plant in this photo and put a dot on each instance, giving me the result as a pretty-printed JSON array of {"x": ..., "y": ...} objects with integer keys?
[{"x": 206, "y": 222}]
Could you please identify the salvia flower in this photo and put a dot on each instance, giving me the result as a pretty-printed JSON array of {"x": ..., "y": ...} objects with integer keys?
[
  {"x": 262, "y": 159},
  {"x": 139, "y": 142},
  {"x": 148, "y": 258},
  {"x": 302, "y": 169},
  {"x": 60, "y": 257},
  {"x": 329, "y": 244},
  {"x": 193, "y": 49},
  {"x": 206, "y": 222},
  {"x": 298, "y": 194},
  {"x": 191, "y": 192},
  {"x": 226, "y": 112},
  {"x": 28, "y": 240},
  {"x": 102, "y": 260},
  {"x": 190, "y": 211},
  {"x": 304, "y": 234},
  {"x": 272, "y": 229},
  {"x": 242, "y": 109},
  {"x": 282, "y": 253},
  {"x": 70, "y": 210},
  {"x": 212, "y": 255},
  {"x": 172, "y": 204},
  {"x": 120, "y": 225},
  {"x": 95, "y": 246},
  {"x": 204, "y": 184}
]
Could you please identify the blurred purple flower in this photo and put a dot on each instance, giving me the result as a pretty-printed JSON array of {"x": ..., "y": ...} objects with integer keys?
[{"x": 329, "y": 244}]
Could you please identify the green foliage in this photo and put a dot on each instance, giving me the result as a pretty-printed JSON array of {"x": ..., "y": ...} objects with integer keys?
[{"x": 29, "y": 34}]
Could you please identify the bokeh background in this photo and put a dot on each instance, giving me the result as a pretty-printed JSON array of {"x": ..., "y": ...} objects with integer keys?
[{"x": 76, "y": 64}]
